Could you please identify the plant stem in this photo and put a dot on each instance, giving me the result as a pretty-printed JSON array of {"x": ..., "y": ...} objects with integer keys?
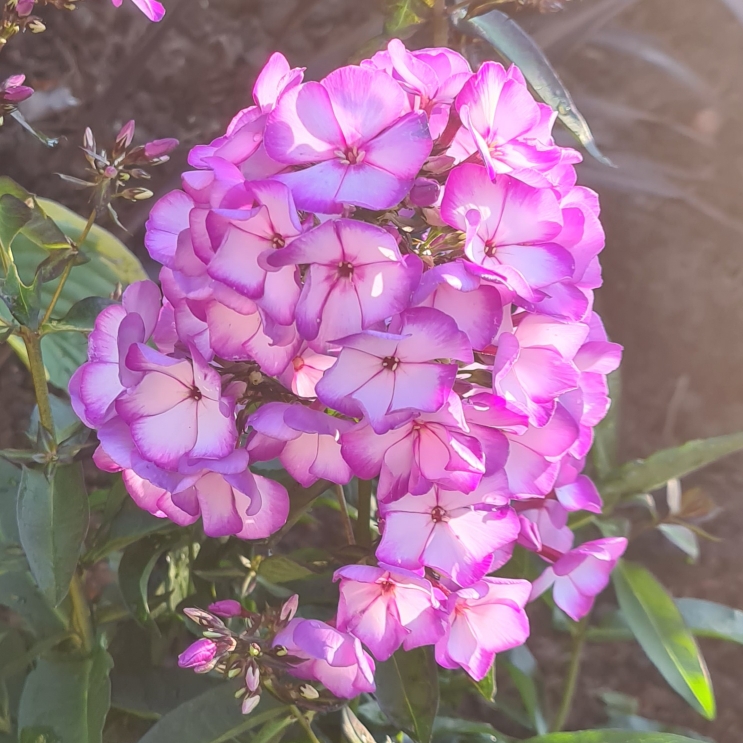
[
  {"x": 347, "y": 526},
  {"x": 38, "y": 376},
  {"x": 57, "y": 293},
  {"x": 363, "y": 527},
  {"x": 302, "y": 720},
  {"x": 86, "y": 230},
  {"x": 563, "y": 713},
  {"x": 80, "y": 619}
]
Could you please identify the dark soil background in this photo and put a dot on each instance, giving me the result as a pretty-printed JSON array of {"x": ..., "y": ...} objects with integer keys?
[{"x": 673, "y": 293}]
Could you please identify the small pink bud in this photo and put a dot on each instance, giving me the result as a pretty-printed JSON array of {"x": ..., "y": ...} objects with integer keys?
[
  {"x": 289, "y": 609},
  {"x": 126, "y": 134},
  {"x": 425, "y": 192},
  {"x": 249, "y": 704},
  {"x": 201, "y": 656},
  {"x": 252, "y": 677},
  {"x": 226, "y": 609},
  {"x": 159, "y": 147},
  {"x": 110, "y": 172}
]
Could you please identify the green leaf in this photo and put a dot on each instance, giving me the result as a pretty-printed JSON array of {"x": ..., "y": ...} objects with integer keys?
[
  {"x": 282, "y": 569},
  {"x": 66, "y": 421},
  {"x": 271, "y": 731},
  {"x": 80, "y": 317},
  {"x": 683, "y": 537},
  {"x": 10, "y": 478},
  {"x": 611, "y": 736},
  {"x": 659, "y": 627},
  {"x": 111, "y": 264},
  {"x": 68, "y": 698},
  {"x": 52, "y": 521},
  {"x": 135, "y": 569},
  {"x": 708, "y": 619},
  {"x": 516, "y": 46},
  {"x": 212, "y": 717},
  {"x": 23, "y": 301},
  {"x": 408, "y": 691},
  {"x": 521, "y": 666},
  {"x": 14, "y": 215},
  {"x": 450, "y": 729},
  {"x": 21, "y": 594},
  {"x": 646, "y": 475},
  {"x": 354, "y": 731},
  {"x": 402, "y": 16},
  {"x": 487, "y": 686}
]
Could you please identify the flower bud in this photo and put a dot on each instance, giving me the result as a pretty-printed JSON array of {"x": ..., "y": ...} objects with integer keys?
[
  {"x": 250, "y": 704},
  {"x": 159, "y": 147},
  {"x": 255, "y": 649},
  {"x": 201, "y": 656},
  {"x": 226, "y": 609},
  {"x": 309, "y": 692},
  {"x": 425, "y": 192},
  {"x": 203, "y": 618},
  {"x": 289, "y": 609},
  {"x": 110, "y": 171},
  {"x": 35, "y": 26},
  {"x": 126, "y": 134},
  {"x": 252, "y": 677},
  {"x": 137, "y": 194}
]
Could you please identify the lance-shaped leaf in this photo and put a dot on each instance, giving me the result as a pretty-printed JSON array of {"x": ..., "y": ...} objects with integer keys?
[
  {"x": 646, "y": 475},
  {"x": 516, "y": 46},
  {"x": 611, "y": 736},
  {"x": 67, "y": 699},
  {"x": 408, "y": 691},
  {"x": 80, "y": 317},
  {"x": 660, "y": 629},
  {"x": 52, "y": 521},
  {"x": 708, "y": 619}
]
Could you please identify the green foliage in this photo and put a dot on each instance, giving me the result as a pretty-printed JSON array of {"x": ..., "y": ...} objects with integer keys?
[
  {"x": 353, "y": 729},
  {"x": 521, "y": 666},
  {"x": 67, "y": 699},
  {"x": 660, "y": 629},
  {"x": 708, "y": 619},
  {"x": 611, "y": 736},
  {"x": 515, "y": 45},
  {"x": 487, "y": 686},
  {"x": 408, "y": 691},
  {"x": 402, "y": 16},
  {"x": 52, "y": 521}
]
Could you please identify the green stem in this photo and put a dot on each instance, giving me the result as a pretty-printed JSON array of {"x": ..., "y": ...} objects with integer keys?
[
  {"x": 363, "y": 526},
  {"x": 38, "y": 377},
  {"x": 86, "y": 230},
  {"x": 347, "y": 526},
  {"x": 563, "y": 713},
  {"x": 80, "y": 619},
  {"x": 57, "y": 294},
  {"x": 302, "y": 720}
]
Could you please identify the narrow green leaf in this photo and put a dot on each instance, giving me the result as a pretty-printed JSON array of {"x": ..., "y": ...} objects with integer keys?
[
  {"x": 611, "y": 736},
  {"x": 521, "y": 666},
  {"x": 271, "y": 731},
  {"x": 660, "y": 629},
  {"x": 23, "y": 300},
  {"x": 487, "y": 686},
  {"x": 354, "y": 731},
  {"x": 516, "y": 46},
  {"x": 80, "y": 317},
  {"x": 10, "y": 478},
  {"x": 66, "y": 421},
  {"x": 135, "y": 569},
  {"x": 212, "y": 717},
  {"x": 14, "y": 214},
  {"x": 21, "y": 594},
  {"x": 646, "y": 475},
  {"x": 282, "y": 569},
  {"x": 708, "y": 619},
  {"x": 68, "y": 698},
  {"x": 52, "y": 521},
  {"x": 683, "y": 537},
  {"x": 408, "y": 691}
]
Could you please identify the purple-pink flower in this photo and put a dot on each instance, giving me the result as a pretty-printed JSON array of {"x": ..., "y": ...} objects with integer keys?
[{"x": 153, "y": 9}]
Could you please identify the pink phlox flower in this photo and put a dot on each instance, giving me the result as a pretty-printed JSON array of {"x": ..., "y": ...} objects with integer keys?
[
  {"x": 306, "y": 441},
  {"x": 534, "y": 364},
  {"x": 432, "y": 78},
  {"x": 356, "y": 278},
  {"x": 580, "y": 575},
  {"x": 154, "y": 10},
  {"x": 353, "y": 139},
  {"x": 242, "y": 143},
  {"x": 508, "y": 129},
  {"x": 200, "y": 655},
  {"x": 388, "y": 377},
  {"x": 431, "y": 448},
  {"x": 512, "y": 229},
  {"x": 483, "y": 619},
  {"x": 154, "y": 499},
  {"x": 176, "y": 409},
  {"x": 96, "y": 385},
  {"x": 475, "y": 306},
  {"x": 550, "y": 520},
  {"x": 334, "y": 658},
  {"x": 304, "y": 371},
  {"x": 387, "y": 607},
  {"x": 247, "y": 237},
  {"x": 574, "y": 491},
  {"x": 453, "y": 533}
]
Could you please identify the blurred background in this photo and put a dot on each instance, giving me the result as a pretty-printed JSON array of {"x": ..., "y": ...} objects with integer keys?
[{"x": 661, "y": 84}]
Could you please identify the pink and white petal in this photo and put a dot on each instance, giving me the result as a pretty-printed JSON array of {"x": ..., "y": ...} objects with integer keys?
[
  {"x": 581, "y": 495},
  {"x": 430, "y": 335},
  {"x": 236, "y": 262},
  {"x": 402, "y": 149},
  {"x": 168, "y": 218},
  {"x": 216, "y": 429},
  {"x": 303, "y": 127},
  {"x": 280, "y": 295},
  {"x": 384, "y": 289},
  {"x": 571, "y": 600},
  {"x": 316, "y": 188},
  {"x": 273, "y": 512},
  {"x": 423, "y": 387},
  {"x": 372, "y": 187},
  {"x": 98, "y": 387},
  {"x": 218, "y": 511},
  {"x": 404, "y": 538},
  {"x": 499, "y": 626},
  {"x": 540, "y": 265},
  {"x": 352, "y": 370},
  {"x": 155, "y": 394},
  {"x": 329, "y": 464},
  {"x": 165, "y": 438}
]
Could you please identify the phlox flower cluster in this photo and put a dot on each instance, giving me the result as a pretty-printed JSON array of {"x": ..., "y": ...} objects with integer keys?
[{"x": 389, "y": 275}]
